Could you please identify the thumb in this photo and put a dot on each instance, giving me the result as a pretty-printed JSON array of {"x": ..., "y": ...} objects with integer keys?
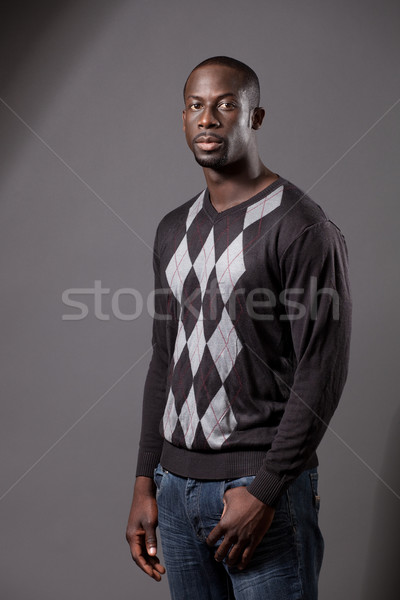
[
  {"x": 223, "y": 512},
  {"x": 151, "y": 541}
]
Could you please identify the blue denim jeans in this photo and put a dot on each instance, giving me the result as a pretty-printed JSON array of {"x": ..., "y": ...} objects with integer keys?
[{"x": 285, "y": 565}]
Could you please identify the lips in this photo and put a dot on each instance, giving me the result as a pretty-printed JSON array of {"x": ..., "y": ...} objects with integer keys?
[{"x": 208, "y": 142}]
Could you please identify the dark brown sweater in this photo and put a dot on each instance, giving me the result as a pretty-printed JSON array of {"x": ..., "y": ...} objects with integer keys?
[{"x": 251, "y": 339}]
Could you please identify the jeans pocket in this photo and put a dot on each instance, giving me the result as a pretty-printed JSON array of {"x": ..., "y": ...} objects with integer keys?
[
  {"x": 238, "y": 482},
  {"x": 158, "y": 477},
  {"x": 314, "y": 487},
  {"x": 229, "y": 484}
]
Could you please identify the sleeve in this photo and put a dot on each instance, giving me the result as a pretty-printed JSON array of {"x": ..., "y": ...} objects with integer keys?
[
  {"x": 154, "y": 396},
  {"x": 315, "y": 265}
]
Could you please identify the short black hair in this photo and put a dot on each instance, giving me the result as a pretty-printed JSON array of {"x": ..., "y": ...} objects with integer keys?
[{"x": 251, "y": 80}]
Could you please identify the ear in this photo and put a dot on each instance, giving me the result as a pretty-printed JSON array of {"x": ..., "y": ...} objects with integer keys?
[
  {"x": 258, "y": 117},
  {"x": 184, "y": 119}
]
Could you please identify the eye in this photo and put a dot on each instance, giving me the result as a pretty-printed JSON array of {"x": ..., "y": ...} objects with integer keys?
[
  {"x": 227, "y": 105},
  {"x": 195, "y": 106}
]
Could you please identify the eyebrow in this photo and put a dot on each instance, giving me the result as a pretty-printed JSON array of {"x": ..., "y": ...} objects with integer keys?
[{"x": 193, "y": 97}]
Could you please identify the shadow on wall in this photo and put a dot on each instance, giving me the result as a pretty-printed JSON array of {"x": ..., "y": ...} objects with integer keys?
[
  {"x": 22, "y": 25},
  {"x": 40, "y": 42},
  {"x": 382, "y": 579}
]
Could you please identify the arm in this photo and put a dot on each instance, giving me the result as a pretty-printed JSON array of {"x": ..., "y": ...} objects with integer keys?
[
  {"x": 154, "y": 396},
  {"x": 315, "y": 262},
  {"x": 143, "y": 516}
]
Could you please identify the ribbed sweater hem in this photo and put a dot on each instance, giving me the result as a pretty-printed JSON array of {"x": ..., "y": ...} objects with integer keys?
[
  {"x": 266, "y": 486},
  {"x": 211, "y": 465}
]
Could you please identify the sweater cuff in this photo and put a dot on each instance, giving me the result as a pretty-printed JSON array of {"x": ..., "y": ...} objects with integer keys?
[
  {"x": 146, "y": 463},
  {"x": 268, "y": 487}
]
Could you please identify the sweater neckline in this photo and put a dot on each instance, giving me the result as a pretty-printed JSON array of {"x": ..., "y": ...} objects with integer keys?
[{"x": 214, "y": 215}]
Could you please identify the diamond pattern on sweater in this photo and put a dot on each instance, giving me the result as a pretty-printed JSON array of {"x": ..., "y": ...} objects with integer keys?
[
  {"x": 224, "y": 345},
  {"x": 189, "y": 418},
  {"x": 263, "y": 207},
  {"x": 196, "y": 344},
  {"x": 205, "y": 261},
  {"x": 198, "y": 398},
  {"x": 179, "y": 267},
  {"x": 230, "y": 266},
  {"x": 219, "y": 421},
  {"x": 170, "y": 417}
]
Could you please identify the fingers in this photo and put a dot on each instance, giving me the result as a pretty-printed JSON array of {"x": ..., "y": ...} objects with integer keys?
[
  {"x": 223, "y": 550},
  {"x": 214, "y": 535},
  {"x": 246, "y": 557},
  {"x": 238, "y": 554},
  {"x": 235, "y": 554},
  {"x": 150, "y": 564}
]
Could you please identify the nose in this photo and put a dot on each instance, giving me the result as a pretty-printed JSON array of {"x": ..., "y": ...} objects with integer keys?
[{"x": 208, "y": 119}]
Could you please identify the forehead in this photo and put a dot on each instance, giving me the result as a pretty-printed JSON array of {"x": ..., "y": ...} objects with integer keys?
[{"x": 214, "y": 80}]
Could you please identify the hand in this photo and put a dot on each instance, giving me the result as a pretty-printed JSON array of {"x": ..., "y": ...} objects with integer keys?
[
  {"x": 141, "y": 528},
  {"x": 243, "y": 524}
]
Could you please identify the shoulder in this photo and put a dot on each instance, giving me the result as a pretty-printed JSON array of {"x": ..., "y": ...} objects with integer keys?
[
  {"x": 300, "y": 210},
  {"x": 302, "y": 218}
]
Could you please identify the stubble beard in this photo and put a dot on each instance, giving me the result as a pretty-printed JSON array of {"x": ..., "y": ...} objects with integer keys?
[{"x": 212, "y": 160}]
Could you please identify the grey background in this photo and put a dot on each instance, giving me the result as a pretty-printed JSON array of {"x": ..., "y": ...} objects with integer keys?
[{"x": 101, "y": 157}]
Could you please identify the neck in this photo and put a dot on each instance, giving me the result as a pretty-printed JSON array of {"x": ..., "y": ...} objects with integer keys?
[{"x": 237, "y": 183}]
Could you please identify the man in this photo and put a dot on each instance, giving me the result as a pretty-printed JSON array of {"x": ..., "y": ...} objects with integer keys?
[{"x": 251, "y": 338}]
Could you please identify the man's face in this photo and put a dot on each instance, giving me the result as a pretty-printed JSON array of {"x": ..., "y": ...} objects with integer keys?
[{"x": 217, "y": 119}]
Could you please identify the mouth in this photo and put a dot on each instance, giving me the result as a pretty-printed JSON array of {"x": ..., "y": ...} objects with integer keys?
[{"x": 208, "y": 142}]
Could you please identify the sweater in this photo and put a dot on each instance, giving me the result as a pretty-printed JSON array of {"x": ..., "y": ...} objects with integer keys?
[{"x": 251, "y": 336}]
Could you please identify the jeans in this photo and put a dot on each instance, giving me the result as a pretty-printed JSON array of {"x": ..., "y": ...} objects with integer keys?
[{"x": 285, "y": 565}]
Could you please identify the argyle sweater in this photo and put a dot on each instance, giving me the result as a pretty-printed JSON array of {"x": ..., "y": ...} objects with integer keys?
[{"x": 251, "y": 338}]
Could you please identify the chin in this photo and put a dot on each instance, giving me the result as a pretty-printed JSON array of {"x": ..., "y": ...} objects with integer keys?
[{"x": 212, "y": 162}]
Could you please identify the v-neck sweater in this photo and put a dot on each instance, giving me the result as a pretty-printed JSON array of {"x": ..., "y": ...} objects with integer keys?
[{"x": 251, "y": 337}]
